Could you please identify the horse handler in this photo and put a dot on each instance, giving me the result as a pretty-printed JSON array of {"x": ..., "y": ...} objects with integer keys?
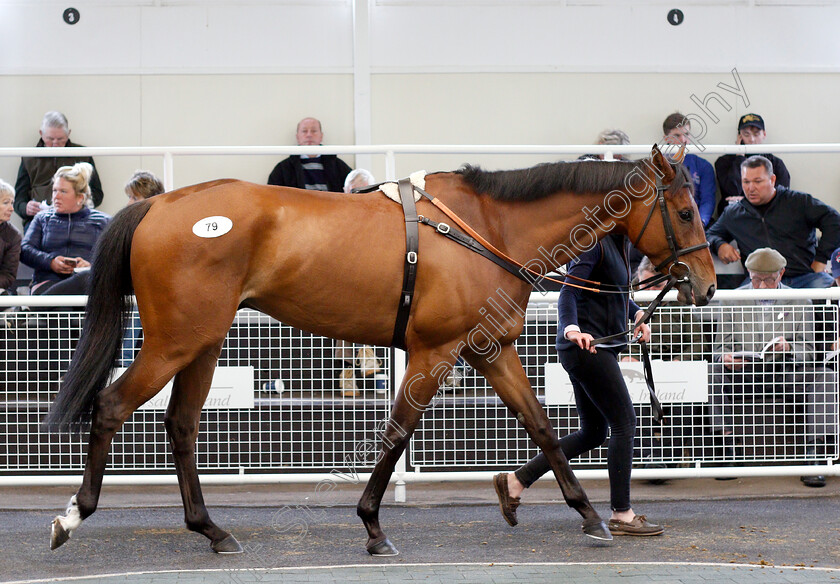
[{"x": 601, "y": 395}]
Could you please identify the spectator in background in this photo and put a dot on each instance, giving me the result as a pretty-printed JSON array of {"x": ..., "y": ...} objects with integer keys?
[
  {"x": 358, "y": 179},
  {"x": 678, "y": 337},
  {"x": 141, "y": 186},
  {"x": 35, "y": 177},
  {"x": 728, "y": 167},
  {"x": 774, "y": 216},
  {"x": 315, "y": 172},
  {"x": 769, "y": 349},
  {"x": 677, "y": 130},
  {"x": 614, "y": 137},
  {"x": 9, "y": 241},
  {"x": 61, "y": 238}
]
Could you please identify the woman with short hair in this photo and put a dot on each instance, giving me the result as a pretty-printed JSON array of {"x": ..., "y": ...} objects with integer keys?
[{"x": 9, "y": 240}]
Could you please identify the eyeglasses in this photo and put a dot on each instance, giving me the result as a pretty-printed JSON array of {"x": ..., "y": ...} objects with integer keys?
[{"x": 771, "y": 280}]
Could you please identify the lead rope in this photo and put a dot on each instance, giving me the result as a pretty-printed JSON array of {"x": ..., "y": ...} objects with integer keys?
[{"x": 655, "y": 406}]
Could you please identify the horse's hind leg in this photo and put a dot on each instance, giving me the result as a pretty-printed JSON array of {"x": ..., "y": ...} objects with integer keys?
[
  {"x": 508, "y": 379},
  {"x": 418, "y": 388},
  {"x": 113, "y": 406},
  {"x": 188, "y": 395}
]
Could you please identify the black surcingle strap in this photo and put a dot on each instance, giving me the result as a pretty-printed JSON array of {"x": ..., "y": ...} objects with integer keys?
[{"x": 412, "y": 239}]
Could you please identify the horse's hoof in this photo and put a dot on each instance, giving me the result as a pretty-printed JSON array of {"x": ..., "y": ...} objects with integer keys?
[
  {"x": 382, "y": 547},
  {"x": 596, "y": 529},
  {"x": 58, "y": 535},
  {"x": 228, "y": 545}
]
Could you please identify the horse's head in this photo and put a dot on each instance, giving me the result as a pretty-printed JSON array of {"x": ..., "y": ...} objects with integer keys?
[{"x": 667, "y": 228}]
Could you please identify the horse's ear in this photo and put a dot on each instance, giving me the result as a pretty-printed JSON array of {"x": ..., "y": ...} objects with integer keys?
[
  {"x": 660, "y": 165},
  {"x": 679, "y": 157}
]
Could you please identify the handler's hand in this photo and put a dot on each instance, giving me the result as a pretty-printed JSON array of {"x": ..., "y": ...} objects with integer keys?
[
  {"x": 728, "y": 254},
  {"x": 582, "y": 340},
  {"x": 642, "y": 331}
]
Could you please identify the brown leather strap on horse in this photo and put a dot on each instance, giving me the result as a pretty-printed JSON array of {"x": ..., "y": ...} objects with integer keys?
[
  {"x": 477, "y": 236},
  {"x": 655, "y": 406},
  {"x": 412, "y": 240}
]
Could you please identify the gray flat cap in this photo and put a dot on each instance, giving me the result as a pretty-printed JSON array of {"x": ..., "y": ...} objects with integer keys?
[{"x": 765, "y": 260}]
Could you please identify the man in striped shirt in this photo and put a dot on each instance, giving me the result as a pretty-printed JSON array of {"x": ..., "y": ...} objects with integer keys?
[{"x": 319, "y": 172}]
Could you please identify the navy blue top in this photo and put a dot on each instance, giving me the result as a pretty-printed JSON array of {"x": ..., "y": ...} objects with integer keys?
[
  {"x": 54, "y": 234},
  {"x": 595, "y": 313}
]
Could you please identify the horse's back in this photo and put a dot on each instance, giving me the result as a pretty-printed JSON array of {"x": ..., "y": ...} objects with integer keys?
[{"x": 308, "y": 258}]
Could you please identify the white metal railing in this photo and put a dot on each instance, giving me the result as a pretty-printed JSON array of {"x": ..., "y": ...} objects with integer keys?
[
  {"x": 390, "y": 151},
  {"x": 310, "y": 430}
]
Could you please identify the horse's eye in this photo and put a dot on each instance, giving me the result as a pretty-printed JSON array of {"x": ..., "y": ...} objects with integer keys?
[{"x": 686, "y": 215}]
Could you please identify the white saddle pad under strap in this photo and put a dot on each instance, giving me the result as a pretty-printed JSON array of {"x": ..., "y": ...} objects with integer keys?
[{"x": 392, "y": 191}]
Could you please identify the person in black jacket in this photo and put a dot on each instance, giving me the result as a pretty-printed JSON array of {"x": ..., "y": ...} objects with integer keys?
[
  {"x": 779, "y": 218},
  {"x": 603, "y": 402},
  {"x": 319, "y": 172},
  {"x": 728, "y": 167},
  {"x": 33, "y": 188}
]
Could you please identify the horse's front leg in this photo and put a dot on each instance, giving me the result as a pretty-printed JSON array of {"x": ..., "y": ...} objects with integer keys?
[
  {"x": 507, "y": 377},
  {"x": 417, "y": 390}
]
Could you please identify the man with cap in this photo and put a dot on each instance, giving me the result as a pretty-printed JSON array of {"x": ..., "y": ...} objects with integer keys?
[
  {"x": 764, "y": 346},
  {"x": 771, "y": 215},
  {"x": 728, "y": 167}
]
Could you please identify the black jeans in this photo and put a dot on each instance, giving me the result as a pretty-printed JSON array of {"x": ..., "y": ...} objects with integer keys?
[{"x": 603, "y": 403}]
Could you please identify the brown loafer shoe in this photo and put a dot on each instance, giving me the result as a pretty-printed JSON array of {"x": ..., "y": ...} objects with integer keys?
[
  {"x": 638, "y": 526},
  {"x": 507, "y": 503}
]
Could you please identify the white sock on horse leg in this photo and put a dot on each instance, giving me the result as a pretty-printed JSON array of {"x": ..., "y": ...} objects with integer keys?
[{"x": 73, "y": 519}]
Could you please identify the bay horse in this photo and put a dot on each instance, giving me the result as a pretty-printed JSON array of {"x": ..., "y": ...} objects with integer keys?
[{"x": 332, "y": 264}]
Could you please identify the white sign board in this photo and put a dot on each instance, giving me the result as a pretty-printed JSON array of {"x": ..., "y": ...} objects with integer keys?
[
  {"x": 231, "y": 388},
  {"x": 676, "y": 382}
]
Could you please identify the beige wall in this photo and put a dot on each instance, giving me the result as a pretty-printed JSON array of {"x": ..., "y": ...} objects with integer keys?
[{"x": 436, "y": 108}]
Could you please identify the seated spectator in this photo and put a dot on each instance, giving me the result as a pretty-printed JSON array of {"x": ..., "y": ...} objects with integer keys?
[
  {"x": 676, "y": 336},
  {"x": 728, "y": 166},
  {"x": 677, "y": 130},
  {"x": 769, "y": 350},
  {"x": 35, "y": 177},
  {"x": 774, "y": 216},
  {"x": 62, "y": 237},
  {"x": 610, "y": 137},
  {"x": 315, "y": 172},
  {"x": 142, "y": 185},
  {"x": 9, "y": 241},
  {"x": 358, "y": 179}
]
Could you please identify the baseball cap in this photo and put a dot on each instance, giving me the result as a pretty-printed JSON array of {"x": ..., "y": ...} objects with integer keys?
[
  {"x": 835, "y": 263},
  {"x": 751, "y": 120}
]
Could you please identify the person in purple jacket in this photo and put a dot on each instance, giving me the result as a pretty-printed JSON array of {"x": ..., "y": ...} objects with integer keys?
[
  {"x": 603, "y": 402},
  {"x": 677, "y": 131}
]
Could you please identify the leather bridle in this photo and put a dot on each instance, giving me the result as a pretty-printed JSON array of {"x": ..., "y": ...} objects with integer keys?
[{"x": 673, "y": 278}]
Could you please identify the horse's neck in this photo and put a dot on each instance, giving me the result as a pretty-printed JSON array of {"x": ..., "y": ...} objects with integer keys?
[{"x": 559, "y": 228}]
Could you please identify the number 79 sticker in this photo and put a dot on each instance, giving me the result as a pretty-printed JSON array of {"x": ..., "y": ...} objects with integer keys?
[{"x": 212, "y": 226}]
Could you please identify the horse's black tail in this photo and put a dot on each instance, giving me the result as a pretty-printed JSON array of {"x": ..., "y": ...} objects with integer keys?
[{"x": 109, "y": 302}]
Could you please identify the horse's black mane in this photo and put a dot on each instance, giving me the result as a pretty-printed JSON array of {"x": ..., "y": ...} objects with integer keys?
[{"x": 530, "y": 184}]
